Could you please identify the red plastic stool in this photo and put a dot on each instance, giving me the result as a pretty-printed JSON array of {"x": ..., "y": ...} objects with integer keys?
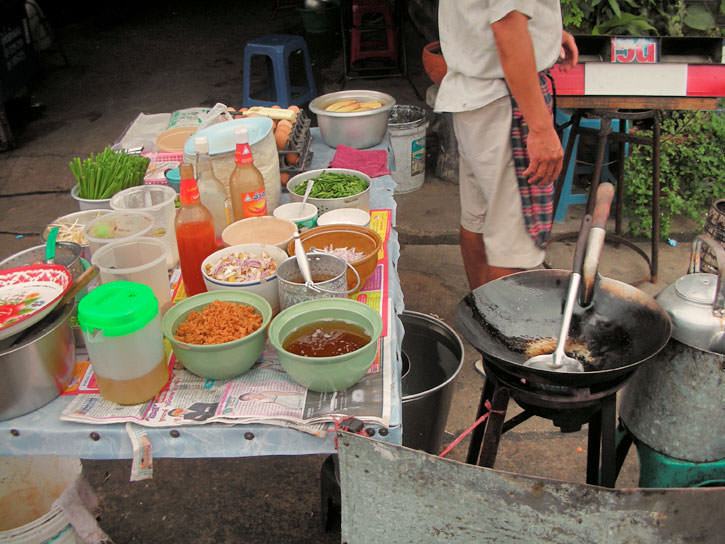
[{"x": 361, "y": 48}]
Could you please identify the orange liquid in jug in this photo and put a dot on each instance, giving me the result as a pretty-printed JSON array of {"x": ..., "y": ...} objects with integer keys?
[{"x": 137, "y": 390}]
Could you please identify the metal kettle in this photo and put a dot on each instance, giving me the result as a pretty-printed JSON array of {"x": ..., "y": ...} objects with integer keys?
[
  {"x": 696, "y": 302},
  {"x": 675, "y": 402}
]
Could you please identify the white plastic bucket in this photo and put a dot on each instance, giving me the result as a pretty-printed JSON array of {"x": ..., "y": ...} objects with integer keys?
[
  {"x": 28, "y": 488},
  {"x": 158, "y": 202},
  {"x": 407, "y": 126}
]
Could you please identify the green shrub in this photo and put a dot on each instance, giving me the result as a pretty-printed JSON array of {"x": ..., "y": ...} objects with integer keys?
[{"x": 692, "y": 171}]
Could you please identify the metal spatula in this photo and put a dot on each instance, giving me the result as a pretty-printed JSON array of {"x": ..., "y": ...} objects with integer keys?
[{"x": 559, "y": 361}]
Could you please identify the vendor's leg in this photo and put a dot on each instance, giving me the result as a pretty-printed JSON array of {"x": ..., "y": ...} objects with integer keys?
[
  {"x": 475, "y": 262},
  {"x": 473, "y": 252},
  {"x": 494, "y": 239}
]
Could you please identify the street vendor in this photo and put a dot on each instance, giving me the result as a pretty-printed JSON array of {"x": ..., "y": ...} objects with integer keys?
[{"x": 497, "y": 54}]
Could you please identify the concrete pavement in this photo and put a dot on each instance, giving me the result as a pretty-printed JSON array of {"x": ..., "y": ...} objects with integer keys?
[{"x": 175, "y": 55}]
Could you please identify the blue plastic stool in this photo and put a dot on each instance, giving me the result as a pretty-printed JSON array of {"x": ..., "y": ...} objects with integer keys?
[
  {"x": 569, "y": 198},
  {"x": 278, "y": 47}
]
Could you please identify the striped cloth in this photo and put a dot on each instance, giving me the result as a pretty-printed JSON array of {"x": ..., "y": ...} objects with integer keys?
[{"x": 537, "y": 203}]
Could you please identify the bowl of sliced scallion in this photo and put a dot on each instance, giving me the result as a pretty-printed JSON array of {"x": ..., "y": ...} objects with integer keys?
[
  {"x": 333, "y": 188},
  {"x": 102, "y": 175}
]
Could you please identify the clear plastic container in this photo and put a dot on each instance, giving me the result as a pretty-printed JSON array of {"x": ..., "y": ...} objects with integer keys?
[
  {"x": 117, "y": 226},
  {"x": 121, "y": 326},
  {"x": 141, "y": 260},
  {"x": 158, "y": 202}
]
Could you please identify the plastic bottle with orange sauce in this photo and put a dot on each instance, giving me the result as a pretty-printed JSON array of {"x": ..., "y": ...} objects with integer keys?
[{"x": 246, "y": 183}]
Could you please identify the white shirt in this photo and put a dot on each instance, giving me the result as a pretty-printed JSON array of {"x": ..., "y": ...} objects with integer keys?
[{"x": 475, "y": 77}]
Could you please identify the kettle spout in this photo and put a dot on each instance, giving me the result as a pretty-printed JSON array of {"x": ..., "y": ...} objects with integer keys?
[{"x": 718, "y": 305}]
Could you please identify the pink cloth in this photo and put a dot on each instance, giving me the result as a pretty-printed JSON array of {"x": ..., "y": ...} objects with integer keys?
[{"x": 373, "y": 162}]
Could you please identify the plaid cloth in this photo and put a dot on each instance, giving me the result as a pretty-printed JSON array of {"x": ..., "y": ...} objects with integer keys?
[{"x": 537, "y": 202}]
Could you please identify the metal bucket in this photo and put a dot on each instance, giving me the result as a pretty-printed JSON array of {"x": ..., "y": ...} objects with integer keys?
[
  {"x": 292, "y": 288},
  {"x": 407, "y": 126},
  {"x": 434, "y": 356}
]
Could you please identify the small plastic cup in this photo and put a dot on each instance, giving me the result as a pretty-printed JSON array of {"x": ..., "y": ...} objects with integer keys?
[
  {"x": 116, "y": 226},
  {"x": 158, "y": 202},
  {"x": 140, "y": 260},
  {"x": 304, "y": 215}
]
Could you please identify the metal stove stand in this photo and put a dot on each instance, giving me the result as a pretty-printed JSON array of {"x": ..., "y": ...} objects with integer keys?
[{"x": 568, "y": 408}]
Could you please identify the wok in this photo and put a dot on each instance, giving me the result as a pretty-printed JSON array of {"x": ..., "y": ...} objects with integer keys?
[{"x": 621, "y": 327}]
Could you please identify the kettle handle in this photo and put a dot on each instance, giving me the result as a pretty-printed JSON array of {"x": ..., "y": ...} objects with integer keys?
[{"x": 718, "y": 306}]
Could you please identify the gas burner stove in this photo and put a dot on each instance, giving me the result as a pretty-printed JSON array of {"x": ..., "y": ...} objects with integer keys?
[{"x": 568, "y": 407}]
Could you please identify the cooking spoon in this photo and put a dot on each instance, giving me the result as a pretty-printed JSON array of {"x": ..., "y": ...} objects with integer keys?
[
  {"x": 50, "y": 246},
  {"x": 559, "y": 361}
]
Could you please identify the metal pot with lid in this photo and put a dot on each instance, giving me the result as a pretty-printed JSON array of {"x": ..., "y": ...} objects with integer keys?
[{"x": 675, "y": 403}]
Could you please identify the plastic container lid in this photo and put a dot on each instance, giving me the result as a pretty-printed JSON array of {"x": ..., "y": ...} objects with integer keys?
[
  {"x": 221, "y": 135},
  {"x": 117, "y": 308}
]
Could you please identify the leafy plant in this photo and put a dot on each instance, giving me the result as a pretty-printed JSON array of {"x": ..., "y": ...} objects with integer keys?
[
  {"x": 692, "y": 167},
  {"x": 643, "y": 18}
]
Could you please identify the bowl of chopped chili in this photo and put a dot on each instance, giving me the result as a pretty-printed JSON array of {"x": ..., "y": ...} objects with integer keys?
[{"x": 218, "y": 334}]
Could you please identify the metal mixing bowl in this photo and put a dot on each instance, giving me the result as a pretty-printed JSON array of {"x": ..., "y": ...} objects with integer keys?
[{"x": 354, "y": 129}]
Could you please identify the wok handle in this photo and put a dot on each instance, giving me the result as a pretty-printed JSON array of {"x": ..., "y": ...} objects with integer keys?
[
  {"x": 595, "y": 244},
  {"x": 602, "y": 204}
]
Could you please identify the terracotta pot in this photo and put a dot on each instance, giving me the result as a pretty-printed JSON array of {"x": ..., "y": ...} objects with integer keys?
[{"x": 433, "y": 62}]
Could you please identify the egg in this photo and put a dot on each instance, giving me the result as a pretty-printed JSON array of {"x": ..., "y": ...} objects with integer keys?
[
  {"x": 284, "y": 177},
  {"x": 285, "y": 122},
  {"x": 281, "y": 136}
]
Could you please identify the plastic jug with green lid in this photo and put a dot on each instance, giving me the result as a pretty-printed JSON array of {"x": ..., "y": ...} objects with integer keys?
[{"x": 121, "y": 326}]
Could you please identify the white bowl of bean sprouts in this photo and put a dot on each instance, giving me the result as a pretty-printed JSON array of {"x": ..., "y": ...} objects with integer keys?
[{"x": 70, "y": 228}]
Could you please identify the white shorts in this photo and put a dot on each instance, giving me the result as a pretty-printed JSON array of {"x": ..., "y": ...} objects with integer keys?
[{"x": 489, "y": 191}]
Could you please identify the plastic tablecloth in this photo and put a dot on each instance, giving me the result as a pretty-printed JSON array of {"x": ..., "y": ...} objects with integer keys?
[{"x": 41, "y": 432}]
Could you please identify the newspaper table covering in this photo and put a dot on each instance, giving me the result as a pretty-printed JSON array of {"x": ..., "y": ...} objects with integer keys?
[{"x": 264, "y": 394}]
